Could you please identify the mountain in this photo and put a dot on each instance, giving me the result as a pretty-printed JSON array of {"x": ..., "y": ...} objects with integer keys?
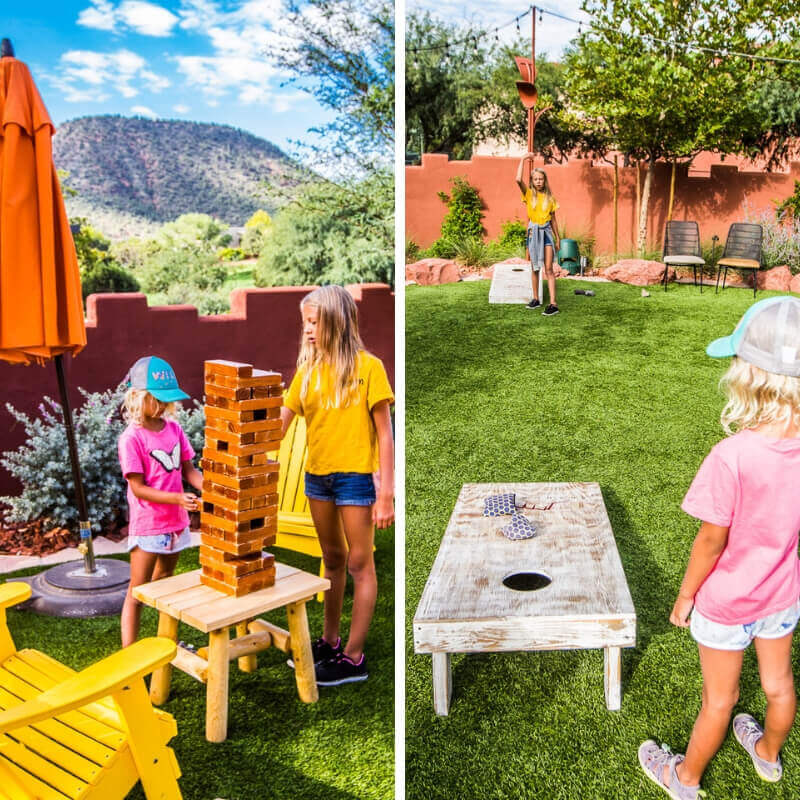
[{"x": 132, "y": 174}]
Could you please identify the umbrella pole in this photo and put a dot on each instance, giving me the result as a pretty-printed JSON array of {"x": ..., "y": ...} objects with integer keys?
[{"x": 83, "y": 513}]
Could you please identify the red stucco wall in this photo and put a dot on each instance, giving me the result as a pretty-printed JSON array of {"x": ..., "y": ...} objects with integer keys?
[
  {"x": 584, "y": 193},
  {"x": 263, "y": 329}
]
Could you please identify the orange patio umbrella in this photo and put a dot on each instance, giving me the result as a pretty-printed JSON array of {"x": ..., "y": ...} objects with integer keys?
[{"x": 41, "y": 308}]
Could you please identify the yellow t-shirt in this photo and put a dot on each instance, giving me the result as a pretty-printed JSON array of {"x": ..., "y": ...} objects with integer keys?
[
  {"x": 341, "y": 439},
  {"x": 540, "y": 213}
]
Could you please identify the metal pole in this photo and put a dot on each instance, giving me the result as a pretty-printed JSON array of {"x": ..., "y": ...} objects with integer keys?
[{"x": 83, "y": 513}]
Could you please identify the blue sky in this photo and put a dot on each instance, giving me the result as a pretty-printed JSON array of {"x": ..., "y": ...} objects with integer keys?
[
  {"x": 200, "y": 60},
  {"x": 552, "y": 34}
]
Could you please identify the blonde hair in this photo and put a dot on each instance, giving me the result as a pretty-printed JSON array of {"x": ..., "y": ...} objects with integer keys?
[
  {"x": 545, "y": 189},
  {"x": 337, "y": 344},
  {"x": 133, "y": 407},
  {"x": 757, "y": 397}
]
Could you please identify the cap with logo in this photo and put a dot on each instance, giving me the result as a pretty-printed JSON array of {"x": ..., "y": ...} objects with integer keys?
[
  {"x": 157, "y": 377},
  {"x": 768, "y": 336}
]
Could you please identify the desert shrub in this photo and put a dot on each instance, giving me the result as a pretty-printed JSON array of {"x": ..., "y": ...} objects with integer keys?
[
  {"x": 107, "y": 277},
  {"x": 443, "y": 248},
  {"x": 781, "y": 242},
  {"x": 413, "y": 251},
  {"x": 471, "y": 252},
  {"x": 790, "y": 207},
  {"x": 166, "y": 268},
  {"x": 513, "y": 235},
  {"x": 230, "y": 254},
  {"x": 42, "y": 464},
  {"x": 464, "y": 211},
  {"x": 193, "y": 231}
]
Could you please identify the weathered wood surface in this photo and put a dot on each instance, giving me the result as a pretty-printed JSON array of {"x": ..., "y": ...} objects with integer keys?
[
  {"x": 511, "y": 283},
  {"x": 466, "y": 608},
  {"x": 186, "y": 599}
]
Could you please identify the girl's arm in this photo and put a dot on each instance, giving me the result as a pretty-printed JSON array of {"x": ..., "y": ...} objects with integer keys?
[
  {"x": 287, "y": 415},
  {"x": 383, "y": 513},
  {"x": 192, "y": 475},
  {"x": 554, "y": 226},
  {"x": 707, "y": 548},
  {"x": 522, "y": 187},
  {"x": 144, "y": 492}
]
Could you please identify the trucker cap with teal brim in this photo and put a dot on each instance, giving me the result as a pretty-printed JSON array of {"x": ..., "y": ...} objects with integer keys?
[
  {"x": 157, "y": 377},
  {"x": 768, "y": 336}
]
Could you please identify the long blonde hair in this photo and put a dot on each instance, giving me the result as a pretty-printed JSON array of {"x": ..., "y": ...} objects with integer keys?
[
  {"x": 133, "y": 407},
  {"x": 545, "y": 189},
  {"x": 337, "y": 344},
  {"x": 757, "y": 397}
]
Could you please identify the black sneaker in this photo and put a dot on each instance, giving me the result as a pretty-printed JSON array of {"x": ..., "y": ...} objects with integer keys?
[
  {"x": 322, "y": 651},
  {"x": 341, "y": 669},
  {"x": 533, "y": 304},
  {"x": 550, "y": 311}
]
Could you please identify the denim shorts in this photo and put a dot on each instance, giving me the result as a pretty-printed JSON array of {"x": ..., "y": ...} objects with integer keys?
[
  {"x": 738, "y": 637},
  {"x": 548, "y": 242},
  {"x": 342, "y": 488},
  {"x": 161, "y": 543}
]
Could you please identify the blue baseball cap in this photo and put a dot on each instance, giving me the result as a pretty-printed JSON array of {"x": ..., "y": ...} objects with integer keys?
[
  {"x": 157, "y": 377},
  {"x": 768, "y": 336}
]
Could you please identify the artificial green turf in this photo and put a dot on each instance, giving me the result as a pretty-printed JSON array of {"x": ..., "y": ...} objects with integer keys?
[
  {"x": 340, "y": 748},
  {"x": 616, "y": 389}
]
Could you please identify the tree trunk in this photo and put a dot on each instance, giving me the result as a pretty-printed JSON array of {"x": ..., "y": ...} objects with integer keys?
[
  {"x": 616, "y": 205},
  {"x": 671, "y": 192},
  {"x": 638, "y": 192},
  {"x": 648, "y": 183}
]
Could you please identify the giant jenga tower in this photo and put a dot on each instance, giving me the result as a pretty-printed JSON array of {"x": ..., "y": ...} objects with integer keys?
[{"x": 240, "y": 501}]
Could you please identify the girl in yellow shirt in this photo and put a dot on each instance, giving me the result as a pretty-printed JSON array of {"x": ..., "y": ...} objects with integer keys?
[
  {"x": 543, "y": 238},
  {"x": 344, "y": 395}
]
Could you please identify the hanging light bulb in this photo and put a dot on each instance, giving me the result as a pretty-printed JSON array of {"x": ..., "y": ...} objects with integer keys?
[
  {"x": 540, "y": 16},
  {"x": 579, "y": 29},
  {"x": 517, "y": 21},
  {"x": 497, "y": 35}
]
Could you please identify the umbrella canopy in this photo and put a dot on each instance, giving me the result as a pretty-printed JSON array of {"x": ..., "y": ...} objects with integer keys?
[{"x": 41, "y": 309}]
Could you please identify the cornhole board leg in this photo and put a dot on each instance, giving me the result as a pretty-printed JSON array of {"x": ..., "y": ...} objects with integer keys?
[
  {"x": 612, "y": 657},
  {"x": 442, "y": 683}
]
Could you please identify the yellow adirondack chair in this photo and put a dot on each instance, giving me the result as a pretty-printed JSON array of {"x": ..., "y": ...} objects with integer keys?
[
  {"x": 80, "y": 735},
  {"x": 295, "y": 527}
]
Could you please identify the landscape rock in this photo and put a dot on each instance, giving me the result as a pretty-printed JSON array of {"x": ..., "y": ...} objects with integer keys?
[
  {"x": 794, "y": 284},
  {"x": 778, "y": 279},
  {"x": 638, "y": 272},
  {"x": 433, "y": 271}
]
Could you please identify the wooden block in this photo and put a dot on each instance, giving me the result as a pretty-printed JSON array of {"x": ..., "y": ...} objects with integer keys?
[
  {"x": 267, "y": 476},
  {"x": 233, "y": 548},
  {"x": 246, "y": 585},
  {"x": 257, "y": 404},
  {"x": 262, "y": 437},
  {"x": 237, "y": 566},
  {"x": 218, "y": 504},
  {"x": 235, "y": 426},
  {"x": 228, "y": 413},
  {"x": 220, "y": 434},
  {"x": 223, "y": 457},
  {"x": 227, "y": 392},
  {"x": 257, "y": 520},
  {"x": 222, "y": 367}
]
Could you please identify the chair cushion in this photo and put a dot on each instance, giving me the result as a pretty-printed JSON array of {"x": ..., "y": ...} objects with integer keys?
[
  {"x": 685, "y": 260},
  {"x": 739, "y": 263}
]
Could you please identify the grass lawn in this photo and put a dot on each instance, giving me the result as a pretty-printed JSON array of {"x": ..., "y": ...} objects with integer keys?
[
  {"x": 616, "y": 389},
  {"x": 240, "y": 275},
  {"x": 341, "y": 748}
]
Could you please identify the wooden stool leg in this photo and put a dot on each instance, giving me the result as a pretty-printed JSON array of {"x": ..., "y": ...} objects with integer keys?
[
  {"x": 217, "y": 686},
  {"x": 246, "y": 663},
  {"x": 442, "y": 683},
  {"x": 301, "y": 652},
  {"x": 613, "y": 677},
  {"x": 162, "y": 677}
]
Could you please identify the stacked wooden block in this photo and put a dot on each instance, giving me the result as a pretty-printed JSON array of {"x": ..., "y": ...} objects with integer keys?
[{"x": 239, "y": 513}]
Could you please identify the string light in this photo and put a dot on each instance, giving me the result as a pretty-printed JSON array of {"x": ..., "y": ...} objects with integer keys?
[{"x": 517, "y": 21}]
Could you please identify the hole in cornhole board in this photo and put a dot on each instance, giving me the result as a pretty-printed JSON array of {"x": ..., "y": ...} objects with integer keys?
[
  {"x": 526, "y": 581},
  {"x": 259, "y": 414},
  {"x": 518, "y": 269},
  {"x": 256, "y": 523}
]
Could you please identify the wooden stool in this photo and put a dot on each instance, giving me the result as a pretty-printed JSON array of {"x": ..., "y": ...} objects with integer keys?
[{"x": 182, "y": 598}]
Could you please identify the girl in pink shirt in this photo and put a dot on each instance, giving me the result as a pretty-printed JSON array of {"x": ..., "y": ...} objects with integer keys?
[
  {"x": 742, "y": 582},
  {"x": 156, "y": 458}
]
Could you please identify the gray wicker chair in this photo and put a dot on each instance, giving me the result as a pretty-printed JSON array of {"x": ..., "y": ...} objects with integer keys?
[
  {"x": 742, "y": 251},
  {"x": 682, "y": 249}
]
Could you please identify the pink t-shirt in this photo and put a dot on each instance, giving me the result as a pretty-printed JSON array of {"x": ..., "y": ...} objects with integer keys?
[
  {"x": 749, "y": 483},
  {"x": 159, "y": 457}
]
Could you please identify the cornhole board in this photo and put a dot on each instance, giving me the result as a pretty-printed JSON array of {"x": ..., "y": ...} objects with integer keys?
[
  {"x": 511, "y": 283},
  {"x": 466, "y": 608}
]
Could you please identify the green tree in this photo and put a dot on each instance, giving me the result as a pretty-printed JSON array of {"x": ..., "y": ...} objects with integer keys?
[
  {"x": 657, "y": 98},
  {"x": 333, "y": 233},
  {"x": 193, "y": 231},
  {"x": 257, "y": 229}
]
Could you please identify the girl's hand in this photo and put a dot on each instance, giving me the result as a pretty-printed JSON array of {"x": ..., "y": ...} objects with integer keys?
[
  {"x": 186, "y": 500},
  {"x": 383, "y": 511},
  {"x": 680, "y": 611}
]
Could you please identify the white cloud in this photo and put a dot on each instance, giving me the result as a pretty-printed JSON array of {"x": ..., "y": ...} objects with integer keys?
[
  {"x": 140, "y": 16},
  {"x": 216, "y": 76},
  {"x": 181, "y": 109},
  {"x": 87, "y": 73},
  {"x": 100, "y": 16},
  {"x": 147, "y": 18},
  {"x": 144, "y": 111}
]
